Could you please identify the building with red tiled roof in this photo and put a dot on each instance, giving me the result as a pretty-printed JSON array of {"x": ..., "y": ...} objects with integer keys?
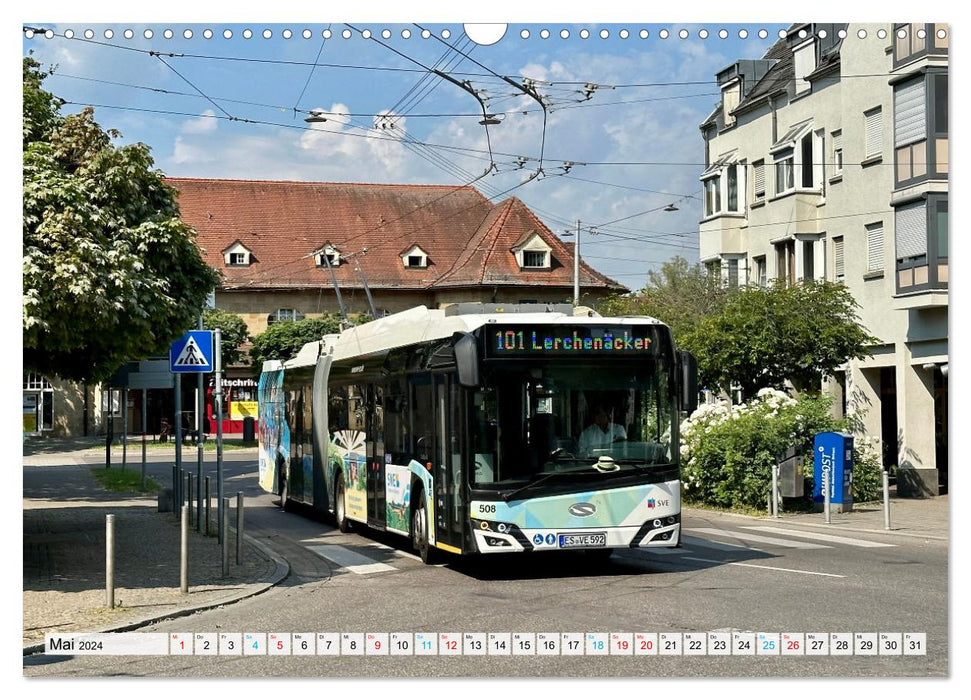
[{"x": 413, "y": 244}]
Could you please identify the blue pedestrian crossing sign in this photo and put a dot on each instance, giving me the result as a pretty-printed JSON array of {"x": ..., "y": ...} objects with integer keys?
[{"x": 192, "y": 352}]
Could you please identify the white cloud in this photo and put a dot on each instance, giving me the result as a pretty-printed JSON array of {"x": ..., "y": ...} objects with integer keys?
[{"x": 204, "y": 124}]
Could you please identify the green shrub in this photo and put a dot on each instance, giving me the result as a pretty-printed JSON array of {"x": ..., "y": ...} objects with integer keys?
[{"x": 728, "y": 451}]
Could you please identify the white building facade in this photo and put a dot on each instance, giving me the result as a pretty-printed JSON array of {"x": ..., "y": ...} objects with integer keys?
[{"x": 828, "y": 159}]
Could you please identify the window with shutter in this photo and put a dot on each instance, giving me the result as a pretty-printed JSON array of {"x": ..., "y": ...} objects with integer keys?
[
  {"x": 909, "y": 113},
  {"x": 910, "y": 228},
  {"x": 838, "y": 151},
  {"x": 873, "y": 132},
  {"x": 839, "y": 270},
  {"x": 874, "y": 247},
  {"x": 758, "y": 180}
]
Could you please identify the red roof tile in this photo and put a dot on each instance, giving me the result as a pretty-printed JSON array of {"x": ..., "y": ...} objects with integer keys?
[{"x": 466, "y": 237}]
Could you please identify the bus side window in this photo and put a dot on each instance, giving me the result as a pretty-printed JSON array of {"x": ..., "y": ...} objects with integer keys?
[{"x": 423, "y": 419}]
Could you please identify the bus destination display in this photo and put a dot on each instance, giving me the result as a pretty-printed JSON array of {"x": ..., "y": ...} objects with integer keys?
[{"x": 527, "y": 340}]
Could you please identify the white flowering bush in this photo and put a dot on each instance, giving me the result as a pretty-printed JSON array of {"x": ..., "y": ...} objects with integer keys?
[{"x": 727, "y": 452}]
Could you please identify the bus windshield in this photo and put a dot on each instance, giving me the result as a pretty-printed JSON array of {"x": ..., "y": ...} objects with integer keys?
[{"x": 533, "y": 420}]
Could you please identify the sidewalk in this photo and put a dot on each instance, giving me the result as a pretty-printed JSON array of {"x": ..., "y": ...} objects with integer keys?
[
  {"x": 64, "y": 513},
  {"x": 924, "y": 518}
]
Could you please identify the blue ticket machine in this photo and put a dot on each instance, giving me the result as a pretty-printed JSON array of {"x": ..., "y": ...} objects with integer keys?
[{"x": 833, "y": 454}]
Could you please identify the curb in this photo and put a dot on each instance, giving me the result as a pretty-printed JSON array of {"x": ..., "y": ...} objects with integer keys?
[{"x": 281, "y": 572}]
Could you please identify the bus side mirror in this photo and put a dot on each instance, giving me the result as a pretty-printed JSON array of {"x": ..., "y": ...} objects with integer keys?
[
  {"x": 688, "y": 378},
  {"x": 467, "y": 360}
]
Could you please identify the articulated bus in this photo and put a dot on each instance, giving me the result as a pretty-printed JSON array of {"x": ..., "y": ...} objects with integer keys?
[{"x": 483, "y": 429}]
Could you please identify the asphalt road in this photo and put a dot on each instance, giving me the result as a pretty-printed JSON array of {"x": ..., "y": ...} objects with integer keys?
[{"x": 734, "y": 574}]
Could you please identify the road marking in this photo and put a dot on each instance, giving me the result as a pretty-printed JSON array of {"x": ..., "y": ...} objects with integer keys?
[
  {"x": 757, "y": 538},
  {"x": 818, "y": 536},
  {"x": 708, "y": 544},
  {"x": 773, "y": 568},
  {"x": 347, "y": 559}
]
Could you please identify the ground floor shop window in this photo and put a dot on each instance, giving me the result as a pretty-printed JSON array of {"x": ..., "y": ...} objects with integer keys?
[{"x": 38, "y": 407}]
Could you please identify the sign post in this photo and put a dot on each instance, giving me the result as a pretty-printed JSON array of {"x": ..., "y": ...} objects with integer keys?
[{"x": 193, "y": 352}]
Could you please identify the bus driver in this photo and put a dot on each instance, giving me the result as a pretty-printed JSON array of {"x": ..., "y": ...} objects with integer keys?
[{"x": 601, "y": 433}]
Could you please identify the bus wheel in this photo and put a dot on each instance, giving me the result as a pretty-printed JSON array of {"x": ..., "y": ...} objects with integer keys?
[
  {"x": 419, "y": 531},
  {"x": 343, "y": 524}
]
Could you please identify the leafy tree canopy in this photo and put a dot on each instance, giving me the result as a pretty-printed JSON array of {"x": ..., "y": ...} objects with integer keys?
[
  {"x": 283, "y": 339},
  {"x": 680, "y": 295},
  {"x": 232, "y": 329},
  {"x": 110, "y": 272},
  {"x": 764, "y": 337}
]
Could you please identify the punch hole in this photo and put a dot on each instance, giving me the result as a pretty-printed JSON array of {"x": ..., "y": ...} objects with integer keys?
[
  {"x": 405, "y": 33},
  {"x": 703, "y": 34},
  {"x": 524, "y": 34},
  {"x": 881, "y": 33},
  {"x": 426, "y": 34},
  {"x": 763, "y": 33},
  {"x": 861, "y": 34},
  {"x": 544, "y": 34},
  {"x": 624, "y": 33},
  {"x": 148, "y": 33},
  {"x": 168, "y": 34},
  {"x": 306, "y": 33},
  {"x": 663, "y": 33},
  {"x": 187, "y": 34},
  {"x": 386, "y": 34},
  {"x": 584, "y": 33},
  {"x": 247, "y": 33},
  {"x": 327, "y": 34},
  {"x": 683, "y": 34},
  {"x": 109, "y": 34},
  {"x": 227, "y": 34},
  {"x": 346, "y": 34},
  {"x": 604, "y": 33},
  {"x": 267, "y": 34},
  {"x": 88, "y": 34},
  {"x": 207, "y": 34},
  {"x": 644, "y": 34}
]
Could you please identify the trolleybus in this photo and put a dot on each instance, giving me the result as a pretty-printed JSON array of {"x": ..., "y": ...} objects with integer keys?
[{"x": 483, "y": 429}]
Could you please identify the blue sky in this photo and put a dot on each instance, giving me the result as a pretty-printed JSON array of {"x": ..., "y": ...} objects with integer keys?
[{"x": 235, "y": 108}]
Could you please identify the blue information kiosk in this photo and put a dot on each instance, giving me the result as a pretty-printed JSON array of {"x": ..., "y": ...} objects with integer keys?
[{"x": 833, "y": 453}]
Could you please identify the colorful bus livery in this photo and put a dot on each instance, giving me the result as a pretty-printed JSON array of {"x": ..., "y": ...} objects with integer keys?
[{"x": 478, "y": 429}]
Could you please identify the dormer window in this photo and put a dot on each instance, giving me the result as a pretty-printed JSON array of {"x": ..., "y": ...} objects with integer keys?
[
  {"x": 731, "y": 96},
  {"x": 237, "y": 255},
  {"x": 414, "y": 257},
  {"x": 804, "y": 62},
  {"x": 327, "y": 254},
  {"x": 532, "y": 252}
]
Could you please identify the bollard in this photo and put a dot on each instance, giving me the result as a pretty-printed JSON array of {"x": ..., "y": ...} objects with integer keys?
[
  {"x": 184, "y": 558},
  {"x": 775, "y": 490},
  {"x": 110, "y": 562},
  {"x": 207, "y": 506},
  {"x": 886, "y": 499},
  {"x": 225, "y": 543},
  {"x": 239, "y": 527},
  {"x": 827, "y": 475},
  {"x": 189, "y": 495},
  {"x": 175, "y": 489}
]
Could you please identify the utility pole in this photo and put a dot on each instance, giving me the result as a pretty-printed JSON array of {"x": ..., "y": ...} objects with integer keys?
[{"x": 576, "y": 268}]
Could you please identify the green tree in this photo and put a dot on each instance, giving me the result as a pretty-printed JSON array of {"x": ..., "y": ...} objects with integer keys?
[
  {"x": 233, "y": 330},
  {"x": 680, "y": 295},
  {"x": 110, "y": 272},
  {"x": 764, "y": 337},
  {"x": 283, "y": 339}
]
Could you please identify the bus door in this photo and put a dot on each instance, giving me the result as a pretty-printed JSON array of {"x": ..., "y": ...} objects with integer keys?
[
  {"x": 374, "y": 428},
  {"x": 448, "y": 461}
]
